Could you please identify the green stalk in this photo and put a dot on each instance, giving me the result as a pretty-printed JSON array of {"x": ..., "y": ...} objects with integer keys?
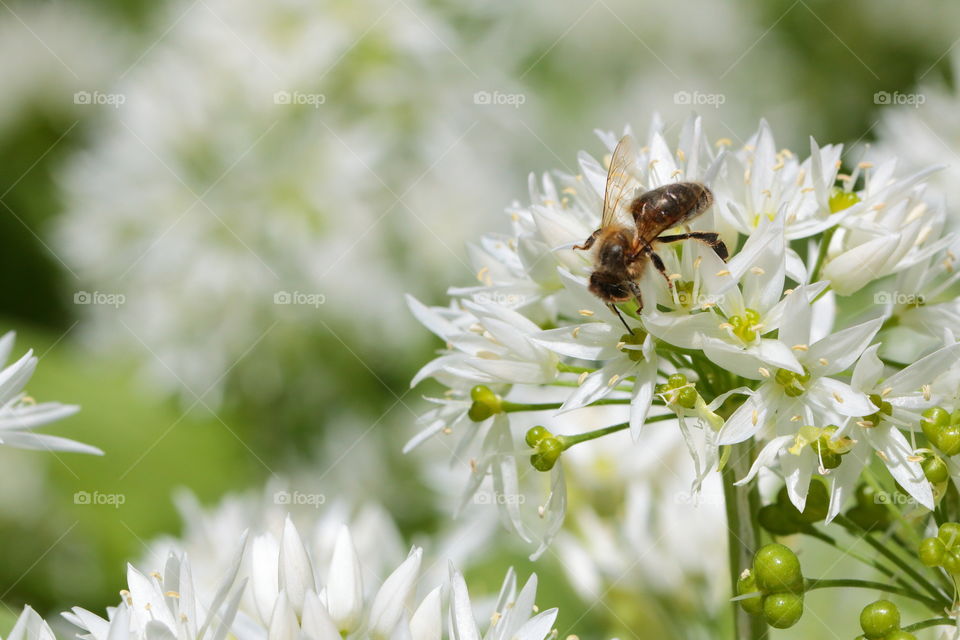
[
  {"x": 812, "y": 584},
  {"x": 932, "y": 622},
  {"x": 743, "y": 534},
  {"x": 904, "y": 566},
  {"x": 569, "y": 441}
]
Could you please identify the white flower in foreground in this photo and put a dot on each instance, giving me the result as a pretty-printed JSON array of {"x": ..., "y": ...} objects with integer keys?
[
  {"x": 30, "y": 626},
  {"x": 20, "y": 414},
  {"x": 167, "y": 605}
]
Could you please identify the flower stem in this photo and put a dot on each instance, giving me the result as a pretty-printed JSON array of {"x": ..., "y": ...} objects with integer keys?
[
  {"x": 743, "y": 534},
  {"x": 932, "y": 622},
  {"x": 891, "y": 556},
  {"x": 812, "y": 583},
  {"x": 569, "y": 441},
  {"x": 822, "y": 253}
]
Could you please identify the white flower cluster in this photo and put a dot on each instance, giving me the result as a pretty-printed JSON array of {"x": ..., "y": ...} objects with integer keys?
[
  {"x": 749, "y": 348},
  {"x": 289, "y": 601}
]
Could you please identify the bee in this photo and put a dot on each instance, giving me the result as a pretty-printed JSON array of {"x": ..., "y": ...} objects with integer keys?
[{"x": 629, "y": 227}]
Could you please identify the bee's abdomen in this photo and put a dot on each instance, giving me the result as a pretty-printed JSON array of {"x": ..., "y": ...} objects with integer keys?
[{"x": 672, "y": 204}]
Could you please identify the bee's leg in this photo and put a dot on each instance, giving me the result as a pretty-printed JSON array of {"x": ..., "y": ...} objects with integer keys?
[
  {"x": 589, "y": 242},
  {"x": 662, "y": 268},
  {"x": 710, "y": 238},
  {"x": 616, "y": 310}
]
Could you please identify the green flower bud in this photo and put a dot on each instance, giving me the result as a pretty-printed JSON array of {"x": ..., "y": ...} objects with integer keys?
[
  {"x": 747, "y": 584},
  {"x": 931, "y": 551},
  {"x": 676, "y": 381},
  {"x": 949, "y": 532},
  {"x": 776, "y": 569},
  {"x": 948, "y": 439},
  {"x": 932, "y": 421},
  {"x": 536, "y": 434},
  {"x": 687, "y": 397},
  {"x": 485, "y": 403},
  {"x": 782, "y": 610},
  {"x": 879, "y": 619},
  {"x": 778, "y": 520},
  {"x": 548, "y": 452},
  {"x": 935, "y": 469},
  {"x": 951, "y": 562},
  {"x": 815, "y": 509}
]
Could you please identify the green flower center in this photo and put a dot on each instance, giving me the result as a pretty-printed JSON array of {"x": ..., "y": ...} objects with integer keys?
[
  {"x": 745, "y": 325},
  {"x": 873, "y": 420},
  {"x": 840, "y": 199},
  {"x": 792, "y": 383},
  {"x": 635, "y": 339}
]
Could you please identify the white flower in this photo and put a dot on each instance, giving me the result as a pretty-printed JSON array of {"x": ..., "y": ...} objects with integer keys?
[
  {"x": 890, "y": 228},
  {"x": 167, "y": 604},
  {"x": 512, "y": 617},
  {"x": 30, "y": 626},
  {"x": 20, "y": 414}
]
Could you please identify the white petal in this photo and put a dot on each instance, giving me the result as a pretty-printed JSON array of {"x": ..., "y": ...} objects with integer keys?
[
  {"x": 833, "y": 395},
  {"x": 345, "y": 587},
  {"x": 426, "y": 622},
  {"x": 462, "y": 624},
  {"x": 841, "y": 349},
  {"x": 746, "y": 420},
  {"x": 387, "y": 607},
  {"x": 868, "y": 370},
  {"x": 896, "y": 451},
  {"x": 588, "y": 341},
  {"x": 295, "y": 567}
]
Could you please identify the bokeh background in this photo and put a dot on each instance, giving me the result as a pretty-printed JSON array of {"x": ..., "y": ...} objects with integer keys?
[{"x": 210, "y": 212}]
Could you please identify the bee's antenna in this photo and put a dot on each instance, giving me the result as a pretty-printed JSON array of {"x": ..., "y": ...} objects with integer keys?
[{"x": 616, "y": 310}]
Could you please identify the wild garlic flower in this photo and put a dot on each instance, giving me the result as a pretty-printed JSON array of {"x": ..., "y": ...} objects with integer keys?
[
  {"x": 751, "y": 348},
  {"x": 20, "y": 414}
]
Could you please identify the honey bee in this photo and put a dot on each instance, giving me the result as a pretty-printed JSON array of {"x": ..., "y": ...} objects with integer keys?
[{"x": 629, "y": 226}]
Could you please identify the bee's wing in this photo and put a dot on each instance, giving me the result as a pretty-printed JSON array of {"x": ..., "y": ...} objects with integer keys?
[{"x": 621, "y": 182}]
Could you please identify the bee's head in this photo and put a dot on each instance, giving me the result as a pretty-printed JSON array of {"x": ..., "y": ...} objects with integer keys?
[{"x": 608, "y": 287}]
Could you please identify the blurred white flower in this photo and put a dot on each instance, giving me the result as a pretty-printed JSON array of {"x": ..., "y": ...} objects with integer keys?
[
  {"x": 20, "y": 414},
  {"x": 167, "y": 604},
  {"x": 30, "y": 626},
  {"x": 250, "y": 192},
  {"x": 66, "y": 56}
]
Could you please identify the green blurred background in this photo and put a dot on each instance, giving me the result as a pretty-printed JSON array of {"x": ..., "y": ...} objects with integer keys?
[{"x": 811, "y": 67}]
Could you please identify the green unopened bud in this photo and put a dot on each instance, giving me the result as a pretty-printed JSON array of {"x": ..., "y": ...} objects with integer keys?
[
  {"x": 536, "y": 434},
  {"x": 935, "y": 469},
  {"x": 948, "y": 440},
  {"x": 949, "y": 532},
  {"x": 778, "y": 520},
  {"x": 879, "y": 619},
  {"x": 884, "y": 409},
  {"x": 777, "y": 569},
  {"x": 746, "y": 584},
  {"x": 676, "y": 381},
  {"x": 485, "y": 403},
  {"x": 933, "y": 420},
  {"x": 687, "y": 397},
  {"x": 548, "y": 452},
  {"x": 931, "y": 551},
  {"x": 782, "y": 610}
]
